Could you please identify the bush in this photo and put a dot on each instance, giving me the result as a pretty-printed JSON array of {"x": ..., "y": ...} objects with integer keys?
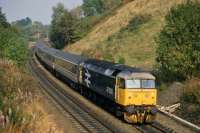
[
  {"x": 136, "y": 22},
  {"x": 178, "y": 52},
  {"x": 190, "y": 101},
  {"x": 96, "y": 7},
  {"x": 121, "y": 60},
  {"x": 108, "y": 57},
  {"x": 12, "y": 46},
  {"x": 192, "y": 92},
  {"x": 84, "y": 25}
]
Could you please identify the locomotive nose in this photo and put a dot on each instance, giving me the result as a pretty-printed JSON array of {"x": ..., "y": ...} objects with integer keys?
[{"x": 141, "y": 97}]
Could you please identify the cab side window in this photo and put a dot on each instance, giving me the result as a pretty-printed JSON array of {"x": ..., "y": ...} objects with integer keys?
[{"x": 121, "y": 83}]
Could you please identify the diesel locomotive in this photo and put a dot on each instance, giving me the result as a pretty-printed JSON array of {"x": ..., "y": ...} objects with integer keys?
[{"x": 129, "y": 92}]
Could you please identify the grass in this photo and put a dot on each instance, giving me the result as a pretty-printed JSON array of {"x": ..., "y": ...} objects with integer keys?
[
  {"x": 21, "y": 109},
  {"x": 128, "y": 44},
  {"x": 107, "y": 40}
]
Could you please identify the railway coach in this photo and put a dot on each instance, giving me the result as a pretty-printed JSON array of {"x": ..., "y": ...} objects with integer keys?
[{"x": 130, "y": 92}]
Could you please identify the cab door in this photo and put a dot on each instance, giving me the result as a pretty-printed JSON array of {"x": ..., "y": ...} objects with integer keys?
[
  {"x": 117, "y": 90},
  {"x": 120, "y": 91}
]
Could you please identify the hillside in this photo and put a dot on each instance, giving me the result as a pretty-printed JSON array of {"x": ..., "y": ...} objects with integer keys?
[{"x": 127, "y": 36}]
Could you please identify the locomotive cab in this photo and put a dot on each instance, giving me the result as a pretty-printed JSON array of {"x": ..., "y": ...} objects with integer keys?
[{"x": 137, "y": 94}]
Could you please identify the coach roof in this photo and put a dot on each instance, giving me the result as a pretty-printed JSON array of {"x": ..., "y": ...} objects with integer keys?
[
  {"x": 73, "y": 58},
  {"x": 76, "y": 59}
]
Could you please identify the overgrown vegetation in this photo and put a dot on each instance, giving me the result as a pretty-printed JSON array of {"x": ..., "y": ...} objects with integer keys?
[
  {"x": 12, "y": 45},
  {"x": 110, "y": 49},
  {"x": 14, "y": 93},
  {"x": 96, "y": 7},
  {"x": 31, "y": 31},
  {"x": 190, "y": 102},
  {"x": 135, "y": 23},
  {"x": 138, "y": 46},
  {"x": 91, "y": 13},
  {"x": 178, "y": 55},
  {"x": 178, "y": 52},
  {"x": 70, "y": 26},
  {"x": 21, "y": 109},
  {"x": 62, "y": 29}
]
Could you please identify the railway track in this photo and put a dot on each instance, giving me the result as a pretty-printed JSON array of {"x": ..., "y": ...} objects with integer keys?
[
  {"x": 154, "y": 128},
  {"x": 82, "y": 120}
]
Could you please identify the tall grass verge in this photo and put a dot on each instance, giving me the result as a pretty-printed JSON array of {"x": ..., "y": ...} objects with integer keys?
[{"x": 21, "y": 109}]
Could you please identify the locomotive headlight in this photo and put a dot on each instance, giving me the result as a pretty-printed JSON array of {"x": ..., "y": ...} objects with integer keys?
[{"x": 153, "y": 95}]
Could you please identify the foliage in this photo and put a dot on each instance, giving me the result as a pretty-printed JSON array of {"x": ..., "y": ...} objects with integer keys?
[
  {"x": 108, "y": 57},
  {"x": 96, "y": 7},
  {"x": 62, "y": 29},
  {"x": 136, "y": 22},
  {"x": 178, "y": 52},
  {"x": 91, "y": 13},
  {"x": 68, "y": 27},
  {"x": 121, "y": 60},
  {"x": 12, "y": 94},
  {"x": 3, "y": 21},
  {"x": 190, "y": 101},
  {"x": 92, "y": 7},
  {"x": 12, "y": 45},
  {"x": 84, "y": 25},
  {"x": 21, "y": 109},
  {"x": 192, "y": 92},
  {"x": 24, "y": 22},
  {"x": 77, "y": 12},
  {"x": 32, "y": 31}
]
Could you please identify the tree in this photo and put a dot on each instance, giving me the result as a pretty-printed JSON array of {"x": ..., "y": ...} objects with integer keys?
[
  {"x": 111, "y": 4},
  {"x": 96, "y": 7},
  {"x": 12, "y": 45},
  {"x": 23, "y": 22},
  {"x": 178, "y": 52},
  {"x": 62, "y": 29},
  {"x": 77, "y": 12},
  {"x": 3, "y": 21},
  {"x": 92, "y": 7}
]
